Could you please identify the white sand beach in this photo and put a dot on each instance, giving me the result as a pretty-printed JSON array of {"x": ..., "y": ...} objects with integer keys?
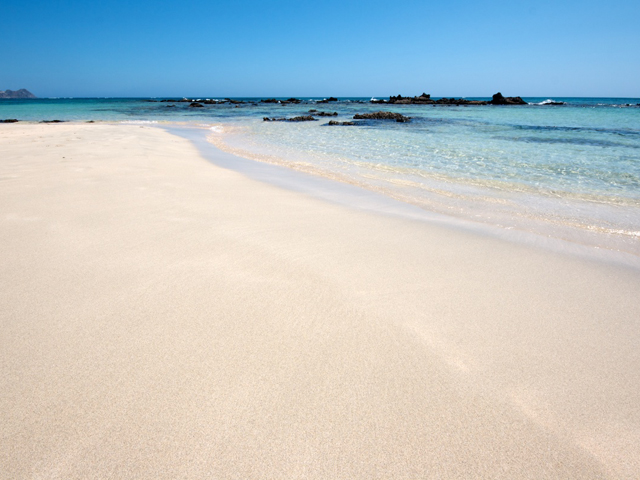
[{"x": 163, "y": 317}]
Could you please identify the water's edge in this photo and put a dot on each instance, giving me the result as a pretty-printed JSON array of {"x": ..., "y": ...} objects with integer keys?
[{"x": 355, "y": 197}]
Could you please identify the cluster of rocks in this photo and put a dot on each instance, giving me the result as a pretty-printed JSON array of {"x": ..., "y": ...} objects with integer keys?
[
  {"x": 282, "y": 102},
  {"x": 382, "y": 116},
  {"x": 323, "y": 114},
  {"x": 9, "y": 120},
  {"x": 192, "y": 101},
  {"x": 327, "y": 100},
  {"x": 360, "y": 116},
  {"x": 498, "y": 99},
  {"x": 425, "y": 99},
  {"x": 305, "y": 118}
]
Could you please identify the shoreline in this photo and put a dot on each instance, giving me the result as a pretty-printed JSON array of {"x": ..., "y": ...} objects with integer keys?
[
  {"x": 164, "y": 316},
  {"x": 585, "y": 242}
]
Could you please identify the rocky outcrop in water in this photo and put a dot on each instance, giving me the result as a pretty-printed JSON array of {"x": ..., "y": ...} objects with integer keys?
[
  {"x": 323, "y": 114},
  {"x": 381, "y": 116},
  {"x": 335, "y": 123},
  {"x": 498, "y": 99},
  {"x": 22, "y": 93},
  {"x": 9, "y": 120},
  {"x": 327, "y": 100},
  {"x": 196, "y": 105},
  {"x": 52, "y": 121},
  {"x": 425, "y": 99},
  {"x": 306, "y": 118},
  {"x": 459, "y": 101},
  {"x": 281, "y": 102}
]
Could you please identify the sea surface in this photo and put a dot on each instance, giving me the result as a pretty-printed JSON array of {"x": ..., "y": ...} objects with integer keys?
[{"x": 567, "y": 171}]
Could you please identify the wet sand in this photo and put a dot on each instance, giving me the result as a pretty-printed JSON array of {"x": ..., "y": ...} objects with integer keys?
[{"x": 163, "y": 317}]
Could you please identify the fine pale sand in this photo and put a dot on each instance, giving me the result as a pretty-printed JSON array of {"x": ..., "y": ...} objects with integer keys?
[{"x": 163, "y": 317}]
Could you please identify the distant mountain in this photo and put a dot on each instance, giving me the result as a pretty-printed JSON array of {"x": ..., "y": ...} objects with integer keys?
[{"x": 22, "y": 93}]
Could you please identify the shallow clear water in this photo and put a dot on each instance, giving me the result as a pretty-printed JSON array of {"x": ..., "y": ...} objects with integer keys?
[{"x": 571, "y": 171}]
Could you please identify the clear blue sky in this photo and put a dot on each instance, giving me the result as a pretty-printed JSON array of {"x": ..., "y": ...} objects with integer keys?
[{"x": 340, "y": 48}]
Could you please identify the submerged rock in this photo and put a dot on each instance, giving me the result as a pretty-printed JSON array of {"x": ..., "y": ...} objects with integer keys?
[
  {"x": 335, "y": 123},
  {"x": 381, "y": 116},
  {"x": 326, "y": 114},
  {"x": 196, "y": 105},
  {"x": 498, "y": 99},
  {"x": 52, "y": 121},
  {"x": 9, "y": 120},
  {"x": 306, "y": 118}
]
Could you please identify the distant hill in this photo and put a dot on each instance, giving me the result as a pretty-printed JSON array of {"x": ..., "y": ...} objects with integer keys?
[{"x": 22, "y": 93}]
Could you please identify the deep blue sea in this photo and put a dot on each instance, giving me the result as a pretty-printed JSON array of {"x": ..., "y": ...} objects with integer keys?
[{"x": 570, "y": 171}]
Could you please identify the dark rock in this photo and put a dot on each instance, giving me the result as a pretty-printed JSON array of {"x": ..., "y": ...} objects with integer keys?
[
  {"x": 52, "y": 121},
  {"x": 326, "y": 114},
  {"x": 459, "y": 101},
  {"x": 233, "y": 101},
  {"x": 195, "y": 105},
  {"x": 307, "y": 118},
  {"x": 334, "y": 123},
  {"x": 22, "y": 93},
  {"x": 313, "y": 110},
  {"x": 381, "y": 116},
  {"x": 9, "y": 120},
  {"x": 423, "y": 99},
  {"x": 327, "y": 100},
  {"x": 553, "y": 103},
  {"x": 498, "y": 99},
  {"x": 281, "y": 102}
]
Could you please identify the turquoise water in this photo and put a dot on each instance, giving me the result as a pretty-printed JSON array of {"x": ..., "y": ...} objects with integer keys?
[{"x": 571, "y": 171}]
